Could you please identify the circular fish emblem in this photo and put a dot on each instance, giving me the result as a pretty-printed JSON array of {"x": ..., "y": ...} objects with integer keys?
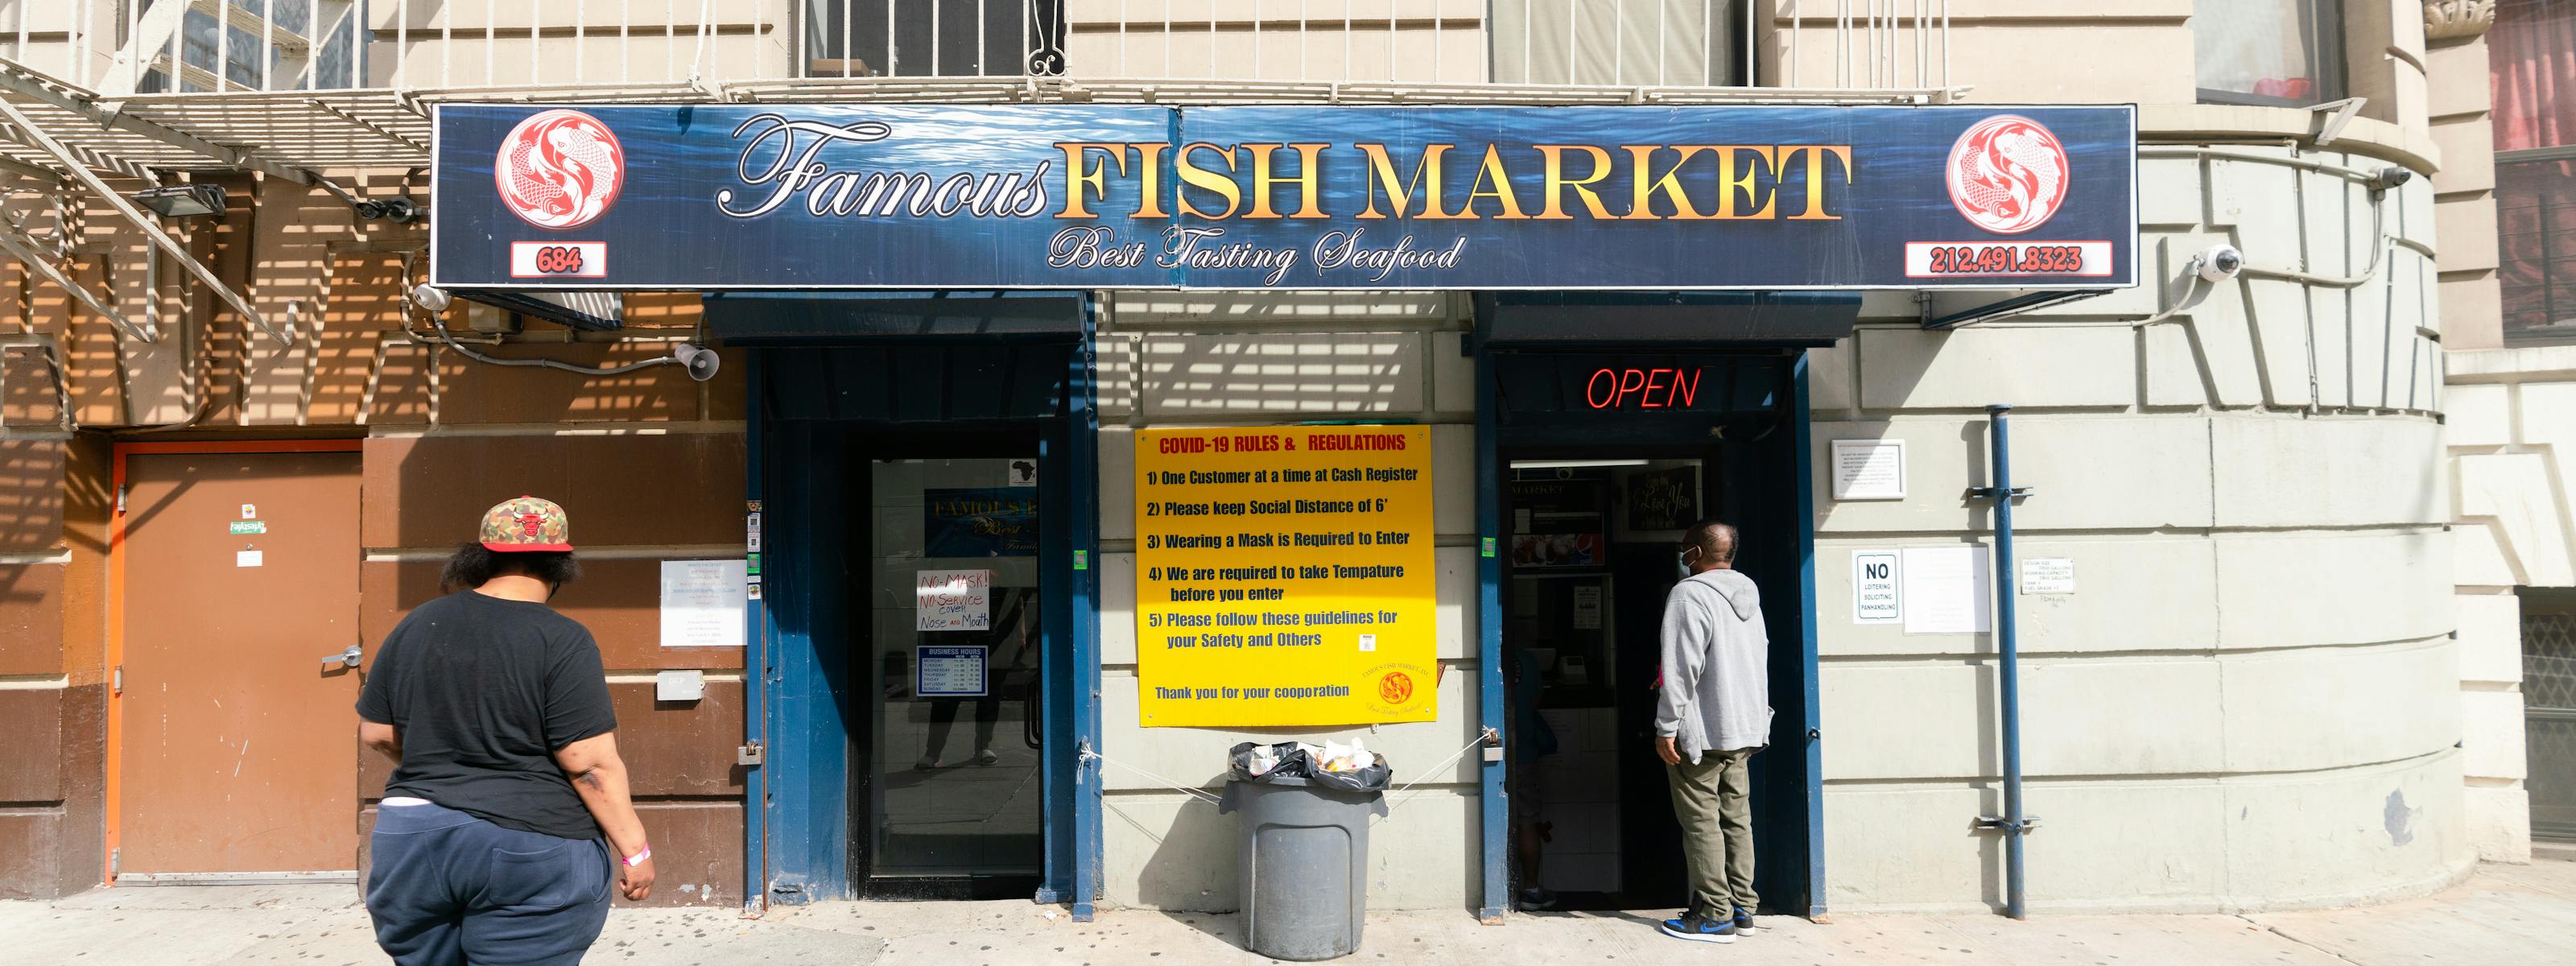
[
  {"x": 1395, "y": 688},
  {"x": 559, "y": 169},
  {"x": 2007, "y": 174}
]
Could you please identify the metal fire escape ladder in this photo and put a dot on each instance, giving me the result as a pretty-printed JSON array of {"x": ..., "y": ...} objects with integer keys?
[{"x": 26, "y": 130}]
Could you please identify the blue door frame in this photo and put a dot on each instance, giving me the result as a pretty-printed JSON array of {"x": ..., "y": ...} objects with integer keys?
[
  {"x": 795, "y": 817},
  {"x": 1805, "y": 741}
]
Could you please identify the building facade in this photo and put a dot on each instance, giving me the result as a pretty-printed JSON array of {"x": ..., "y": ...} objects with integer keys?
[{"x": 2288, "y": 514}]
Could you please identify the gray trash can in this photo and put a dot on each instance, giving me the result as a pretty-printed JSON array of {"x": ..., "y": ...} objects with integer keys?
[{"x": 1304, "y": 861}]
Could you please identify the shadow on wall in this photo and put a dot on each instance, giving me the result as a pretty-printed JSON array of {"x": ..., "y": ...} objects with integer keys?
[{"x": 1189, "y": 376}]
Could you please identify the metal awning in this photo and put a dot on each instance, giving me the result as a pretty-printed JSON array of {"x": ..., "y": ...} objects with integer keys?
[
  {"x": 810, "y": 318},
  {"x": 1668, "y": 319}
]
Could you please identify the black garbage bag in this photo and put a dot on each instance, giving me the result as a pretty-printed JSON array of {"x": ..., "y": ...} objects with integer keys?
[{"x": 1373, "y": 778}]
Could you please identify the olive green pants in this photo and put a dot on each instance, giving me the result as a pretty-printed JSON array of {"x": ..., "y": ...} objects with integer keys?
[{"x": 1713, "y": 800}]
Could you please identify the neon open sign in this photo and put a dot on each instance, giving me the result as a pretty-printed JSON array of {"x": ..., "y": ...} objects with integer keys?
[{"x": 1613, "y": 387}]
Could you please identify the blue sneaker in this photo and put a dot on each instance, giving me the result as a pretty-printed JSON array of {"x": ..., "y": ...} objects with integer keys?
[
  {"x": 1744, "y": 922},
  {"x": 1699, "y": 929}
]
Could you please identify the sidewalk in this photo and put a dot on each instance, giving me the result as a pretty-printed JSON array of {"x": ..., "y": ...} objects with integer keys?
[{"x": 2503, "y": 916}]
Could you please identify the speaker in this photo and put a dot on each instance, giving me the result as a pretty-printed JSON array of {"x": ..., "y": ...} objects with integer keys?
[{"x": 699, "y": 360}]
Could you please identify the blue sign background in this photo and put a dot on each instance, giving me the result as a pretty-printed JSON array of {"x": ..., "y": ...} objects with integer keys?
[{"x": 667, "y": 228}]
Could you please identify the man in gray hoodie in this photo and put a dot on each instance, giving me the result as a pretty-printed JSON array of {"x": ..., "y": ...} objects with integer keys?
[{"x": 1712, "y": 712}]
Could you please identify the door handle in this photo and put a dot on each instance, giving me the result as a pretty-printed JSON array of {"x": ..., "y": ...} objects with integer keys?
[{"x": 349, "y": 658}]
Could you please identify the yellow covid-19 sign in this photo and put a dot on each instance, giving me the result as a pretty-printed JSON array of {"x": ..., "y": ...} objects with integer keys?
[{"x": 1284, "y": 576}]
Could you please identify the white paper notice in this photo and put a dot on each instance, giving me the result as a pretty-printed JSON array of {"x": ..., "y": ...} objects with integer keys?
[
  {"x": 1869, "y": 469},
  {"x": 1945, "y": 590},
  {"x": 1875, "y": 590},
  {"x": 246, "y": 558},
  {"x": 2048, "y": 575},
  {"x": 952, "y": 600},
  {"x": 1587, "y": 608},
  {"x": 702, "y": 603}
]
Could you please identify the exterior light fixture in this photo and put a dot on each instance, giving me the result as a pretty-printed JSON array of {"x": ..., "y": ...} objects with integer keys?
[{"x": 183, "y": 200}]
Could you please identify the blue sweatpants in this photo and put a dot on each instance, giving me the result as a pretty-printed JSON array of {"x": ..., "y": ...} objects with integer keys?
[{"x": 450, "y": 888}]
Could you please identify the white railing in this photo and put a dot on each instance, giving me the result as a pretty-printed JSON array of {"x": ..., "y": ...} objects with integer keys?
[{"x": 142, "y": 46}]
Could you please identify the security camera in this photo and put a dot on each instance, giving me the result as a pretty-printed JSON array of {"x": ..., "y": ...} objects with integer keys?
[
  {"x": 2220, "y": 263},
  {"x": 2390, "y": 177},
  {"x": 429, "y": 297}
]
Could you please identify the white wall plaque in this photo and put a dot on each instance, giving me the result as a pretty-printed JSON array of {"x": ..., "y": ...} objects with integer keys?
[
  {"x": 2048, "y": 575},
  {"x": 1869, "y": 469}
]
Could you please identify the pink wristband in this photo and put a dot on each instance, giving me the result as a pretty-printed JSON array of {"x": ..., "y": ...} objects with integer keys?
[{"x": 639, "y": 857}]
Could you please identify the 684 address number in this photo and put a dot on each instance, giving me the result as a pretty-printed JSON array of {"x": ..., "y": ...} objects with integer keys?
[{"x": 559, "y": 259}]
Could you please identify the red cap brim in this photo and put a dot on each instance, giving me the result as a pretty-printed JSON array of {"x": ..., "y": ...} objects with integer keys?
[{"x": 527, "y": 547}]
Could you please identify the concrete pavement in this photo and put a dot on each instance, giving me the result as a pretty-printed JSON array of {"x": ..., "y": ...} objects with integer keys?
[{"x": 2503, "y": 916}]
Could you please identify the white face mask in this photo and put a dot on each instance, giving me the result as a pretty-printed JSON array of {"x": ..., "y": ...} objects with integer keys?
[{"x": 1682, "y": 561}]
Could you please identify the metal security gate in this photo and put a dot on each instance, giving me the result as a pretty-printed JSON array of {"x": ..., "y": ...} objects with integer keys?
[{"x": 2549, "y": 713}]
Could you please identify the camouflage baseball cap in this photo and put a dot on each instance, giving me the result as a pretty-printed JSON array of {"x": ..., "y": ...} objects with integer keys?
[{"x": 526, "y": 524}]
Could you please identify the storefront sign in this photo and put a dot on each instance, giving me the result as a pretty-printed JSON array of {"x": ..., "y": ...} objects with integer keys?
[
  {"x": 1284, "y": 576},
  {"x": 1633, "y": 387},
  {"x": 735, "y": 196}
]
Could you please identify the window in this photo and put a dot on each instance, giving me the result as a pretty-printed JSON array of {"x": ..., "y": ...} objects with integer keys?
[
  {"x": 1696, "y": 43},
  {"x": 948, "y": 38},
  {"x": 2533, "y": 81},
  {"x": 2286, "y": 53}
]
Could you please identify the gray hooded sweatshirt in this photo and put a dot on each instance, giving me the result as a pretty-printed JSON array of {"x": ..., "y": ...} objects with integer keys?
[{"x": 1715, "y": 693}]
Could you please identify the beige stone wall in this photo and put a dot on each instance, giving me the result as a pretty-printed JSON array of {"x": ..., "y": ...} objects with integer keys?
[{"x": 2506, "y": 416}]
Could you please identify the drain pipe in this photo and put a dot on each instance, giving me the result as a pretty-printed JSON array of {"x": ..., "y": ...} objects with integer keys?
[{"x": 2012, "y": 822}]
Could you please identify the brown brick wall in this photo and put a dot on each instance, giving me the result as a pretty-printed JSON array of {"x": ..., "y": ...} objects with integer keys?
[
  {"x": 641, "y": 497},
  {"x": 31, "y": 619},
  {"x": 52, "y": 834},
  {"x": 51, "y": 775}
]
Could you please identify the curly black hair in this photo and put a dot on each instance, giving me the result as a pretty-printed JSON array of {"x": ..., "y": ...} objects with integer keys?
[{"x": 473, "y": 564}]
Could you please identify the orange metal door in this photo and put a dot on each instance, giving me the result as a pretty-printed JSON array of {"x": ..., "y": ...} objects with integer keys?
[{"x": 237, "y": 751}]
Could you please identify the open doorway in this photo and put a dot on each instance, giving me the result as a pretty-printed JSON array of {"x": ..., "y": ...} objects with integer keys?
[{"x": 1595, "y": 485}]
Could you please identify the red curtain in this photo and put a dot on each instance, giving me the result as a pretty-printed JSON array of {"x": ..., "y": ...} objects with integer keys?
[{"x": 2531, "y": 58}]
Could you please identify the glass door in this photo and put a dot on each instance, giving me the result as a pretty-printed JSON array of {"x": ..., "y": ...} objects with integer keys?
[{"x": 950, "y": 738}]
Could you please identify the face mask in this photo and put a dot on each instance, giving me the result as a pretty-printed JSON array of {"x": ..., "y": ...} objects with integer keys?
[{"x": 1682, "y": 561}]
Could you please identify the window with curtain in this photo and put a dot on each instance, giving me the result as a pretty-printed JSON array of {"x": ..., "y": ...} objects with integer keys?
[
  {"x": 2531, "y": 72},
  {"x": 2286, "y": 53}
]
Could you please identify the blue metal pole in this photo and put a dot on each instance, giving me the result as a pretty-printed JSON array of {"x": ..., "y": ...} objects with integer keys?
[
  {"x": 1083, "y": 439},
  {"x": 1811, "y": 697},
  {"x": 1494, "y": 816},
  {"x": 2008, "y": 654}
]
